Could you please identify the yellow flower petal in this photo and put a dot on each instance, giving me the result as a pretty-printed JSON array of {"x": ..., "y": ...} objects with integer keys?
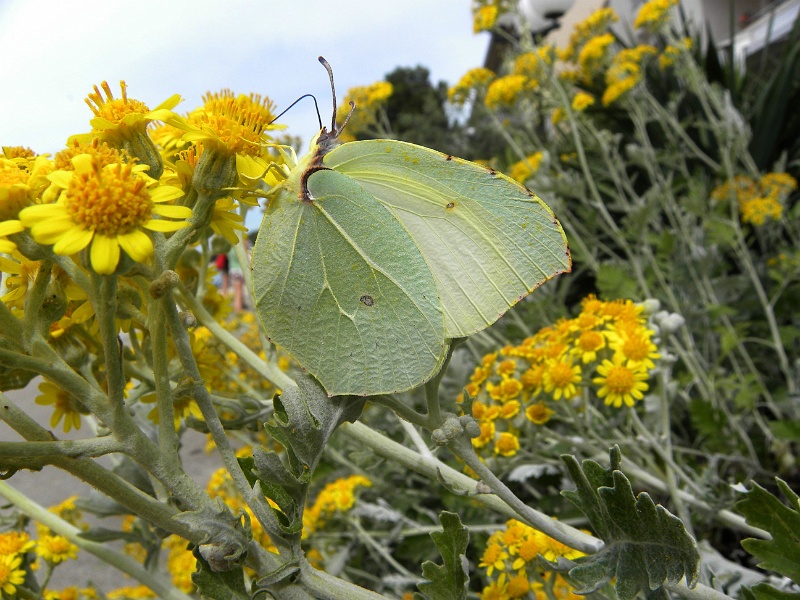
[
  {"x": 72, "y": 241},
  {"x": 136, "y": 244},
  {"x": 162, "y": 225},
  {"x": 165, "y": 193},
  {"x": 32, "y": 215},
  {"x": 170, "y": 210},
  {"x": 9, "y": 227},
  {"x": 104, "y": 254}
]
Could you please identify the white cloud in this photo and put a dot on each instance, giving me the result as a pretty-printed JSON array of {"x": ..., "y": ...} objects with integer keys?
[{"x": 62, "y": 48}]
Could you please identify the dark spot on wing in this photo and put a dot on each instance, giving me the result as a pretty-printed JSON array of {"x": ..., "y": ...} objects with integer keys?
[
  {"x": 451, "y": 205},
  {"x": 367, "y": 300},
  {"x": 448, "y": 157}
]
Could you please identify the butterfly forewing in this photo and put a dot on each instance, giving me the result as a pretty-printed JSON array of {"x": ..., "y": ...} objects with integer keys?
[
  {"x": 486, "y": 240},
  {"x": 342, "y": 287}
]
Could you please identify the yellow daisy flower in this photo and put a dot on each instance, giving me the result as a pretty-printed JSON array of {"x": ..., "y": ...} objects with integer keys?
[
  {"x": 105, "y": 209},
  {"x": 620, "y": 382},
  {"x": 538, "y": 413},
  {"x": 15, "y": 542},
  {"x": 8, "y": 228},
  {"x": 561, "y": 378},
  {"x": 506, "y": 444},
  {"x": 10, "y": 574},
  {"x": 64, "y": 406},
  {"x": 56, "y": 549}
]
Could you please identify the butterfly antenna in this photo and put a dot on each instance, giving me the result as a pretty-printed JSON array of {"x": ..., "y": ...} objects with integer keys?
[
  {"x": 327, "y": 66},
  {"x": 288, "y": 108}
]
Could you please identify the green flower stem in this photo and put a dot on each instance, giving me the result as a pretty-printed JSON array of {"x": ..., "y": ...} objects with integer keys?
[
  {"x": 432, "y": 391},
  {"x": 104, "y": 291},
  {"x": 268, "y": 370},
  {"x": 505, "y": 503},
  {"x": 202, "y": 211},
  {"x": 10, "y": 326},
  {"x": 665, "y": 117},
  {"x": 168, "y": 442},
  {"x": 599, "y": 204},
  {"x": 163, "y": 467},
  {"x": 403, "y": 411},
  {"x": 325, "y": 586},
  {"x": 257, "y": 503},
  {"x": 124, "y": 563},
  {"x": 20, "y": 454},
  {"x": 34, "y": 300},
  {"x": 160, "y": 514},
  {"x": 783, "y": 361},
  {"x": 574, "y": 538}
]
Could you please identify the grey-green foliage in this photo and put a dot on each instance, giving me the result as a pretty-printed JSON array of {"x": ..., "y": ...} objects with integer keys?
[
  {"x": 645, "y": 545},
  {"x": 781, "y": 553},
  {"x": 447, "y": 581},
  {"x": 304, "y": 420}
]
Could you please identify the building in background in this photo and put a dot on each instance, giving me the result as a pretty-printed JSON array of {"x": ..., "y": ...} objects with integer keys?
[{"x": 749, "y": 26}]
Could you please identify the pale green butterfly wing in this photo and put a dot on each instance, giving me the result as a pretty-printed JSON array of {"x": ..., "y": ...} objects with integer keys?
[
  {"x": 341, "y": 286},
  {"x": 487, "y": 240}
]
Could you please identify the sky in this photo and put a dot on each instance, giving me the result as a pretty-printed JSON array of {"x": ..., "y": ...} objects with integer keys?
[{"x": 55, "y": 51}]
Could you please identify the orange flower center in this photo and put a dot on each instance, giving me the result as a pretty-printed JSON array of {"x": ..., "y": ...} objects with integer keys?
[
  {"x": 636, "y": 348},
  {"x": 589, "y": 341},
  {"x": 114, "y": 109},
  {"x": 111, "y": 202},
  {"x": 620, "y": 379},
  {"x": 237, "y": 124},
  {"x": 561, "y": 374}
]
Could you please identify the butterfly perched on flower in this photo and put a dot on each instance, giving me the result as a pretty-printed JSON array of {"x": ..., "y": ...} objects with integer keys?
[{"x": 372, "y": 255}]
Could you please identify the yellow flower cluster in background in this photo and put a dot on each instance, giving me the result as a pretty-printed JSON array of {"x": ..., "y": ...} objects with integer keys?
[
  {"x": 625, "y": 71},
  {"x": 370, "y": 102},
  {"x": 760, "y": 201},
  {"x": 337, "y": 497},
  {"x": 654, "y": 14},
  {"x": 606, "y": 352},
  {"x": 509, "y": 560},
  {"x": 522, "y": 170},
  {"x": 20, "y": 554},
  {"x": 473, "y": 81}
]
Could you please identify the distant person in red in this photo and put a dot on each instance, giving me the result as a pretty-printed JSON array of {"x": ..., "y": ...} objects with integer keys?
[
  {"x": 223, "y": 266},
  {"x": 232, "y": 276}
]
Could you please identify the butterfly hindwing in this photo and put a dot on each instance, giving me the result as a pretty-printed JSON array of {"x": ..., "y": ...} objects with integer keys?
[
  {"x": 487, "y": 241},
  {"x": 341, "y": 286}
]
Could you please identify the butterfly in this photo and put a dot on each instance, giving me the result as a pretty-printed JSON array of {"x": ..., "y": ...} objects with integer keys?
[{"x": 372, "y": 255}]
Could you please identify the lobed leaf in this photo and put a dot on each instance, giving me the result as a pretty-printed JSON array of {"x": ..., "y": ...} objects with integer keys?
[
  {"x": 765, "y": 511},
  {"x": 646, "y": 546},
  {"x": 449, "y": 580}
]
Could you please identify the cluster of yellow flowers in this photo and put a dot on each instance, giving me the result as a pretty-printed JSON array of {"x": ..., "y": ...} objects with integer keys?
[
  {"x": 625, "y": 72},
  {"x": 511, "y": 567},
  {"x": 759, "y": 201},
  {"x": 370, "y": 101},
  {"x": 607, "y": 350},
  {"x": 337, "y": 497},
  {"x": 20, "y": 555},
  {"x": 484, "y": 17},
  {"x": 672, "y": 53},
  {"x": 654, "y": 14},
  {"x": 594, "y": 25},
  {"x": 529, "y": 70},
  {"x": 523, "y": 170},
  {"x": 98, "y": 205},
  {"x": 95, "y": 196},
  {"x": 474, "y": 81}
]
